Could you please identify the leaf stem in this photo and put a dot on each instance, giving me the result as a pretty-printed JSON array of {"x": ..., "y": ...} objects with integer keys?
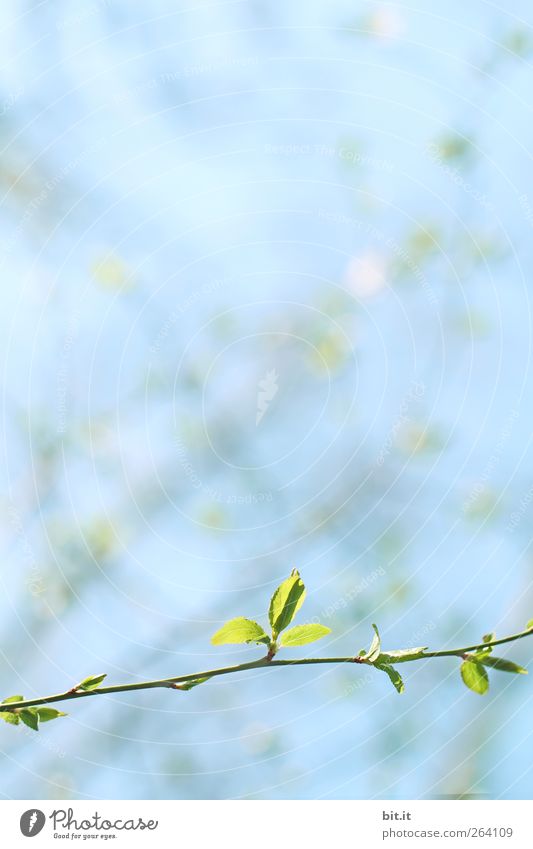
[{"x": 263, "y": 663}]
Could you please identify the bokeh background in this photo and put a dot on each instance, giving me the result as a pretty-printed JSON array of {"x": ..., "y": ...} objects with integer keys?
[{"x": 266, "y": 282}]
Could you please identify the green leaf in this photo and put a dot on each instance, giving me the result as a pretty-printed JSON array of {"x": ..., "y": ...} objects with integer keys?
[
  {"x": 239, "y": 630},
  {"x": 11, "y": 699},
  {"x": 403, "y": 655},
  {"x": 475, "y": 676},
  {"x": 188, "y": 685},
  {"x": 529, "y": 626},
  {"x": 302, "y": 634},
  {"x": 11, "y": 718},
  {"x": 30, "y": 718},
  {"x": 375, "y": 646},
  {"x": 484, "y": 651},
  {"x": 504, "y": 665},
  {"x": 91, "y": 683},
  {"x": 47, "y": 714},
  {"x": 286, "y": 602},
  {"x": 393, "y": 674}
]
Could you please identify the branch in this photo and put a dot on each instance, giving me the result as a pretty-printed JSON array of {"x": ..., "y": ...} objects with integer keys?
[{"x": 285, "y": 603}]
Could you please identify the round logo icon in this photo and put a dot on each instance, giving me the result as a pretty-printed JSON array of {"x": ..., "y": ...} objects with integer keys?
[{"x": 32, "y": 822}]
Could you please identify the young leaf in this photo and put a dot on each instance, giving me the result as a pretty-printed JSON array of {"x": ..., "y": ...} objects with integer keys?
[
  {"x": 394, "y": 676},
  {"x": 240, "y": 630},
  {"x": 30, "y": 718},
  {"x": 302, "y": 634},
  {"x": 403, "y": 655},
  {"x": 481, "y": 654},
  {"x": 504, "y": 665},
  {"x": 91, "y": 683},
  {"x": 188, "y": 685},
  {"x": 11, "y": 699},
  {"x": 529, "y": 626},
  {"x": 475, "y": 676},
  {"x": 375, "y": 647},
  {"x": 11, "y": 718},
  {"x": 484, "y": 651},
  {"x": 47, "y": 714},
  {"x": 286, "y": 602}
]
